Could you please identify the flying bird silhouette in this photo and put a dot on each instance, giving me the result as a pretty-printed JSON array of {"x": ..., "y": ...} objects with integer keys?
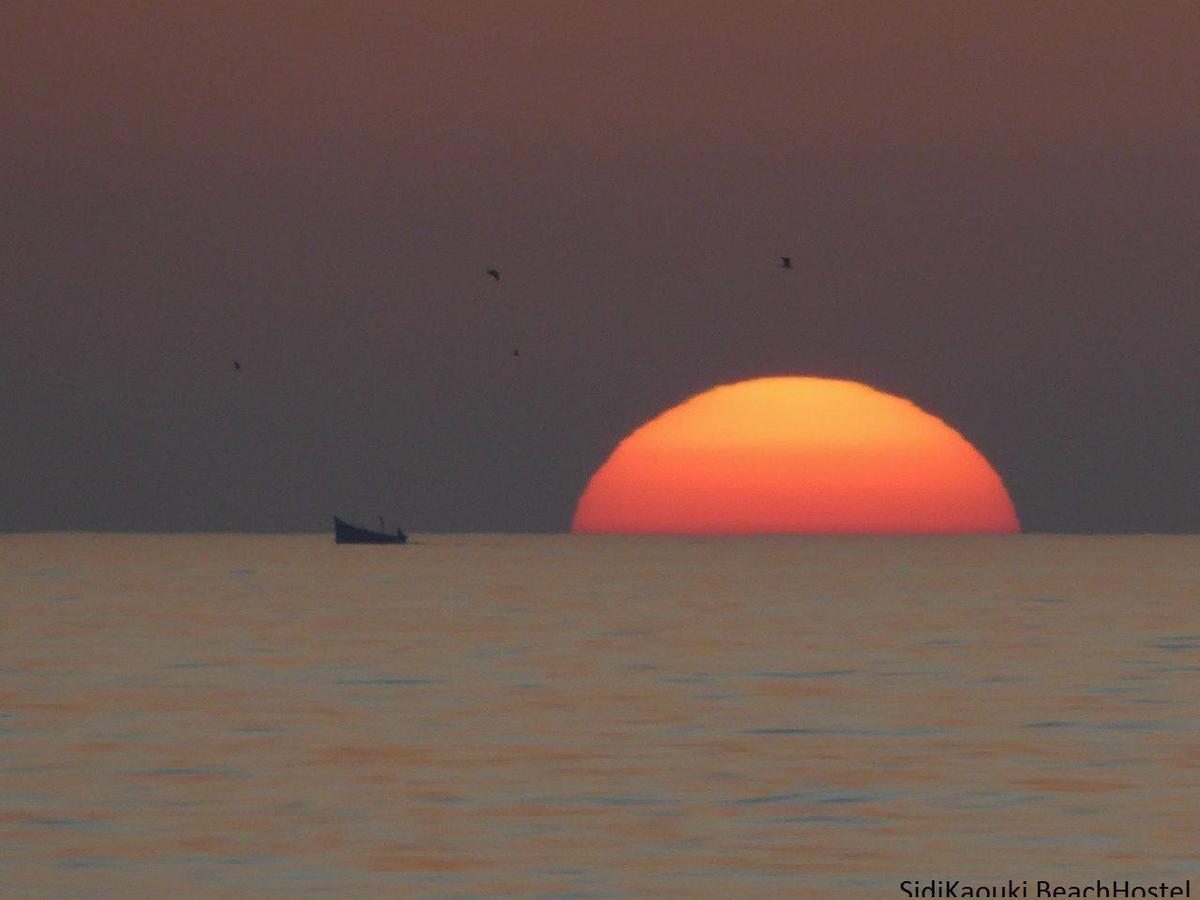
[
  {"x": 237, "y": 365},
  {"x": 787, "y": 262},
  {"x": 516, "y": 352},
  {"x": 494, "y": 274}
]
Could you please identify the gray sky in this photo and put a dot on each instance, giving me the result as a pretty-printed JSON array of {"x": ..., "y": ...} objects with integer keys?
[{"x": 993, "y": 210}]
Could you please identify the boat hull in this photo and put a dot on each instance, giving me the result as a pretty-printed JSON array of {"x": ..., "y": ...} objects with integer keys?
[{"x": 345, "y": 533}]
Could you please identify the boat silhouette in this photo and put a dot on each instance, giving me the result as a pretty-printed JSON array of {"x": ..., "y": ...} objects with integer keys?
[{"x": 345, "y": 533}]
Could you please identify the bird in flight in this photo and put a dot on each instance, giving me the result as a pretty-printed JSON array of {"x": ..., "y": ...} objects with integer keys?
[
  {"x": 237, "y": 365},
  {"x": 787, "y": 262},
  {"x": 494, "y": 274},
  {"x": 516, "y": 352}
]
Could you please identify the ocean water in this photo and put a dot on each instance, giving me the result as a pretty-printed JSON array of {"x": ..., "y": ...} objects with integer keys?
[{"x": 573, "y": 716}]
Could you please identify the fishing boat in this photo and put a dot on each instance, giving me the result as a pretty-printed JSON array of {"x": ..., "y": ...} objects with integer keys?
[{"x": 345, "y": 533}]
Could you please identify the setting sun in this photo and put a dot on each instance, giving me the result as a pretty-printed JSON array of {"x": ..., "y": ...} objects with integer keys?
[{"x": 795, "y": 455}]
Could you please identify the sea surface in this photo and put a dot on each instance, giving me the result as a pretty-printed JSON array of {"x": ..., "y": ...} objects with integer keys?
[{"x": 575, "y": 716}]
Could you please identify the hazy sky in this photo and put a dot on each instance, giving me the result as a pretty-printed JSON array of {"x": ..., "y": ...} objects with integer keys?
[{"x": 993, "y": 209}]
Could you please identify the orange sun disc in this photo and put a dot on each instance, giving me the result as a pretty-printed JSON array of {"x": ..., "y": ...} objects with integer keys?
[{"x": 795, "y": 455}]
